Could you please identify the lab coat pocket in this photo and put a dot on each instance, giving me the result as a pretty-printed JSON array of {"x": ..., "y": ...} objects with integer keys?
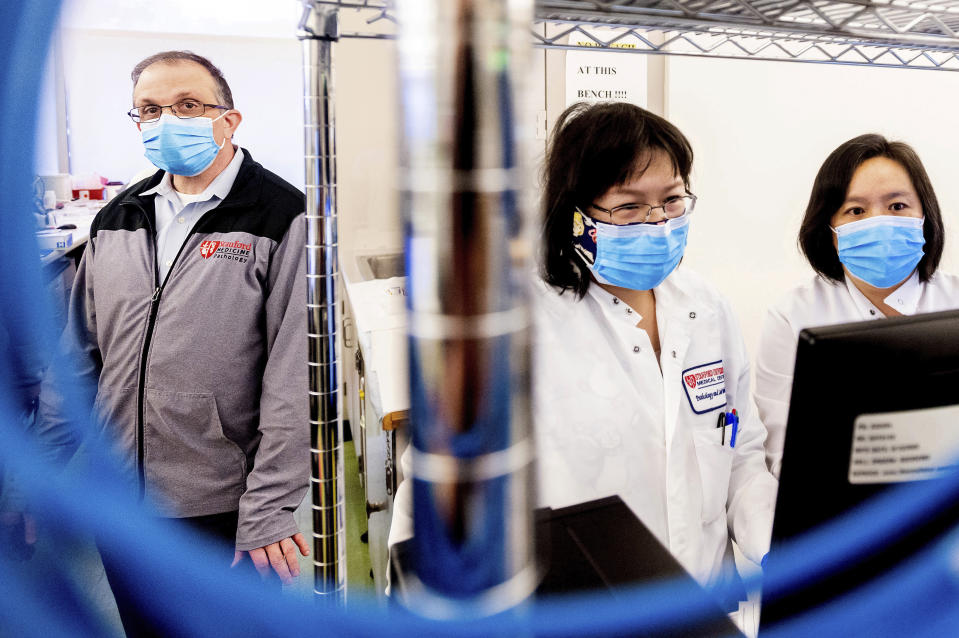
[
  {"x": 715, "y": 461},
  {"x": 187, "y": 457}
]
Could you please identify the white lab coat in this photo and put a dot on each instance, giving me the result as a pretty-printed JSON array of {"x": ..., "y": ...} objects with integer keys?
[
  {"x": 608, "y": 422},
  {"x": 821, "y": 303}
]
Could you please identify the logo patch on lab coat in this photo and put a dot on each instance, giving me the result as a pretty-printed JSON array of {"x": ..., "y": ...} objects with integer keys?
[{"x": 705, "y": 386}]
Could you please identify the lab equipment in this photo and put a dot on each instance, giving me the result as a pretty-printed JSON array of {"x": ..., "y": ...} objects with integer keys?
[
  {"x": 318, "y": 31},
  {"x": 38, "y": 197},
  {"x": 471, "y": 440},
  {"x": 89, "y": 186},
  {"x": 54, "y": 239},
  {"x": 60, "y": 184}
]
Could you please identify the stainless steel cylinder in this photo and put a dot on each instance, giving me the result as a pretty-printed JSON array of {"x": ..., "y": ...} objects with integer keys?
[
  {"x": 318, "y": 30},
  {"x": 462, "y": 77}
]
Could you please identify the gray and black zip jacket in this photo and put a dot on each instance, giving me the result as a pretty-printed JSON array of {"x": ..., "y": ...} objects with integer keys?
[{"x": 201, "y": 378}]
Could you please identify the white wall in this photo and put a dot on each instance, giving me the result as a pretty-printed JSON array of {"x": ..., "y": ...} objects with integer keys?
[
  {"x": 251, "y": 18},
  {"x": 761, "y": 130},
  {"x": 367, "y": 118}
]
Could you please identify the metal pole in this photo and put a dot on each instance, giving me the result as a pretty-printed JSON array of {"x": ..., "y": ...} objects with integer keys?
[
  {"x": 462, "y": 64},
  {"x": 318, "y": 30}
]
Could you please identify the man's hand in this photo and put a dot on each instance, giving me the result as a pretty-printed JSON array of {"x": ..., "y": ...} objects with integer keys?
[
  {"x": 18, "y": 532},
  {"x": 281, "y": 556}
]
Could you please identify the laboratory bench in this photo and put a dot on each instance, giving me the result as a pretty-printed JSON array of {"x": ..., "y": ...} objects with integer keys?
[
  {"x": 69, "y": 243},
  {"x": 375, "y": 377},
  {"x": 61, "y": 258}
]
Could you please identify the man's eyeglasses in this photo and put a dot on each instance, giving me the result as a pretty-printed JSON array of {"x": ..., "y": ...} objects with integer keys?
[
  {"x": 185, "y": 109},
  {"x": 644, "y": 213}
]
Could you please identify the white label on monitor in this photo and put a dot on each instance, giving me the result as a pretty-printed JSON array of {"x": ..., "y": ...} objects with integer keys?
[{"x": 904, "y": 446}]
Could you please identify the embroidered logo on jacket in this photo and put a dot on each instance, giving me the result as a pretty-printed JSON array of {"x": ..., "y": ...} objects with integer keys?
[
  {"x": 231, "y": 250},
  {"x": 207, "y": 248},
  {"x": 705, "y": 386}
]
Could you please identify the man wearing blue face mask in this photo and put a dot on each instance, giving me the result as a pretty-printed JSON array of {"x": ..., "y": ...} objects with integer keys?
[
  {"x": 188, "y": 318},
  {"x": 873, "y": 233}
]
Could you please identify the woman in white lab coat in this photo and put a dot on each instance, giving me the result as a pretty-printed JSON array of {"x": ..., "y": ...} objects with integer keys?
[
  {"x": 873, "y": 234},
  {"x": 635, "y": 361}
]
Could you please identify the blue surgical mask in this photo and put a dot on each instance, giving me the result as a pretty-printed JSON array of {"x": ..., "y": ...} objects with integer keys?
[
  {"x": 881, "y": 251},
  {"x": 181, "y": 147},
  {"x": 634, "y": 256}
]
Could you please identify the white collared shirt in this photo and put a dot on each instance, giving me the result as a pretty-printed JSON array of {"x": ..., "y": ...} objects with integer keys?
[
  {"x": 177, "y": 213},
  {"x": 904, "y": 299},
  {"x": 822, "y": 303}
]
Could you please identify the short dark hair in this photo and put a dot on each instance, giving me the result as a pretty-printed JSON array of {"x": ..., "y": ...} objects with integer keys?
[
  {"x": 224, "y": 95},
  {"x": 593, "y": 148},
  {"x": 829, "y": 192}
]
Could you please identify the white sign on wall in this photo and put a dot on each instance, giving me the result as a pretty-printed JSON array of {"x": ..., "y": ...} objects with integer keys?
[{"x": 600, "y": 76}]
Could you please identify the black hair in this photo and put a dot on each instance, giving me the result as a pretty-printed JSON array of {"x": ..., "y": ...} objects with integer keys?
[
  {"x": 829, "y": 192},
  {"x": 224, "y": 95},
  {"x": 593, "y": 148}
]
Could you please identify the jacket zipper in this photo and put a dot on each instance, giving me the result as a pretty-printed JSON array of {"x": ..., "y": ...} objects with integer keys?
[
  {"x": 141, "y": 386},
  {"x": 147, "y": 339}
]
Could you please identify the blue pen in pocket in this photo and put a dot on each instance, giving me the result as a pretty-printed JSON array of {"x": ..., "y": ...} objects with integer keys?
[
  {"x": 731, "y": 419},
  {"x": 732, "y": 438}
]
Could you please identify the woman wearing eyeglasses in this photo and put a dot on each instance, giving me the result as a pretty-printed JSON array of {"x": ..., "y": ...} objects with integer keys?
[
  {"x": 641, "y": 369},
  {"x": 873, "y": 234},
  {"x": 637, "y": 364}
]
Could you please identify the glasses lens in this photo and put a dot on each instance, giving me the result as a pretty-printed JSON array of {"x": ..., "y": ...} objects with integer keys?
[
  {"x": 676, "y": 207},
  {"x": 630, "y": 213},
  {"x": 187, "y": 109},
  {"x": 148, "y": 113}
]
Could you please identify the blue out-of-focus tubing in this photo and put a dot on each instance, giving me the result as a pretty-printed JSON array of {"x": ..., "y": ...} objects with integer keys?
[
  {"x": 27, "y": 26},
  {"x": 38, "y": 599},
  {"x": 918, "y": 598}
]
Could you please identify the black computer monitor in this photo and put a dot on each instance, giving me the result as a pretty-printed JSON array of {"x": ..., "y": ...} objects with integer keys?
[
  {"x": 599, "y": 546},
  {"x": 838, "y": 453}
]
